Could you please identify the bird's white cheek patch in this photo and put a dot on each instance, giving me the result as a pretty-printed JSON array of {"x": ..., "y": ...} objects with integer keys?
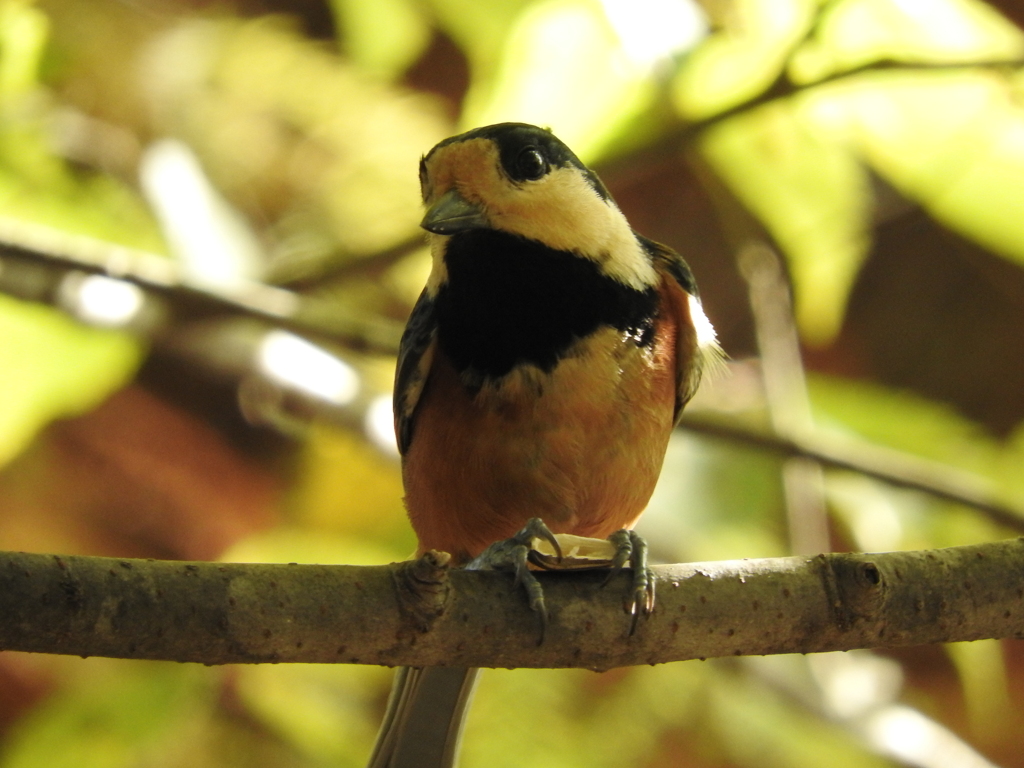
[
  {"x": 564, "y": 212},
  {"x": 561, "y": 210}
]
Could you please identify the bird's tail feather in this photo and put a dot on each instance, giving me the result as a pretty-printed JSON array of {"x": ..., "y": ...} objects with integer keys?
[{"x": 422, "y": 726}]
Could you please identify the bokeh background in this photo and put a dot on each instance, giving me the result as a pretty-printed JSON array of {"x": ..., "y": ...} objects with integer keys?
[{"x": 250, "y": 167}]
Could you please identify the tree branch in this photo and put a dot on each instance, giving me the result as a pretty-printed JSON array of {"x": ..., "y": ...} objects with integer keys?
[
  {"x": 35, "y": 259},
  {"x": 423, "y": 613},
  {"x": 683, "y": 132},
  {"x": 783, "y": 87}
]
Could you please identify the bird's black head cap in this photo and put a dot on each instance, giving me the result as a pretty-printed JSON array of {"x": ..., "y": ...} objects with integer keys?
[{"x": 527, "y": 152}]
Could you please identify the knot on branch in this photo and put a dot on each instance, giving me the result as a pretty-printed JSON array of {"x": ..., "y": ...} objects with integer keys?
[
  {"x": 855, "y": 586},
  {"x": 423, "y": 588}
]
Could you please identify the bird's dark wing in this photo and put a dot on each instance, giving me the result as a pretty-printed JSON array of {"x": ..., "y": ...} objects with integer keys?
[
  {"x": 679, "y": 292},
  {"x": 671, "y": 263},
  {"x": 415, "y": 355}
]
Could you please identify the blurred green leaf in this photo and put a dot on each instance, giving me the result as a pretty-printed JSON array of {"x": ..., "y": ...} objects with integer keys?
[
  {"x": 759, "y": 729},
  {"x": 346, "y": 488},
  {"x": 306, "y": 545},
  {"x": 813, "y": 196},
  {"x": 983, "y": 675},
  {"x": 953, "y": 141},
  {"x": 745, "y": 57},
  {"x": 876, "y": 516},
  {"x": 480, "y": 30},
  {"x": 23, "y": 33},
  {"x": 557, "y": 48},
  {"x": 578, "y": 719},
  {"x": 324, "y": 711},
  {"x": 714, "y": 500},
  {"x": 140, "y": 719},
  {"x": 36, "y": 184},
  {"x": 383, "y": 37},
  {"x": 902, "y": 420},
  {"x": 948, "y": 140},
  {"x": 882, "y": 517},
  {"x": 879, "y": 517},
  {"x": 1011, "y": 462},
  {"x": 295, "y": 135},
  {"x": 543, "y": 730},
  {"x": 636, "y": 717},
  {"x": 54, "y": 368},
  {"x": 854, "y": 33}
]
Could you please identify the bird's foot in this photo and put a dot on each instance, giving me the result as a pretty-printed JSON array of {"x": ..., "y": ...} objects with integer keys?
[
  {"x": 568, "y": 552},
  {"x": 514, "y": 554},
  {"x": 631, "y": 549}
]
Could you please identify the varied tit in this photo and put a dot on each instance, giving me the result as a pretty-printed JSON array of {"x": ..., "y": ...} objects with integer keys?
[
  {"x": 550, "y": 354},
  {"x": 540, "y": 375}
]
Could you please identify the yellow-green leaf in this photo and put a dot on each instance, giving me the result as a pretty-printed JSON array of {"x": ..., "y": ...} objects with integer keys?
[
  {"x": 743, "y": 59},
  {"x": 812, "y": 195},
  {"x": 857, "y": 32},
  {"x": 23, "y": 33},
  {"x": 383, "y": 37},
  {"x": 563, "y": 66},
  {"x": 53, "y": 367},
  {"x": 953, "y": 141}
]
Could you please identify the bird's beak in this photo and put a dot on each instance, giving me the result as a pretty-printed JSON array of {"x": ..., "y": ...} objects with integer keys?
[{"x": 453, "y": 213}]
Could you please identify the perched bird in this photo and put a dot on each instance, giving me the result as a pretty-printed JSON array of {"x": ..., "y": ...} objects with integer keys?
[{"x": 540, "y": 375}]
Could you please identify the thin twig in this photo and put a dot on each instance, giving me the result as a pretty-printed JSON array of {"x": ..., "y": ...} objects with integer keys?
[
  {"x": 684, "y": 132},
  {"x": 783, "y": 87},
  {"x": 23, "y": 244},
  {"x": 882, "y": 463},
  {"x": 785, "y": 388}
]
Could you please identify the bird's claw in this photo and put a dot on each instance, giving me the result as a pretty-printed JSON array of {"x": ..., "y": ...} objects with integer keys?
[
  {"x": 631, "y": 549},
  {"x": 514, "y": 554}
]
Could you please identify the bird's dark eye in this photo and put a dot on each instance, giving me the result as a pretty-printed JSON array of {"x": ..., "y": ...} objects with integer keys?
[{"x": 530, "y": 165}]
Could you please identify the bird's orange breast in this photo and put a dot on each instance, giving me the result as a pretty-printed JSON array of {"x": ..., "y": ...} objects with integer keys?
[{"x": 580, "y": 447}]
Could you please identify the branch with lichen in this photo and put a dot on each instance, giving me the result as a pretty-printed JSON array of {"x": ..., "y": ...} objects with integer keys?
[{"x": 424, "y": 613}]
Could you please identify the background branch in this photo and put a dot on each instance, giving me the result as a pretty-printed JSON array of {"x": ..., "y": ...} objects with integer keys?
[
  {"x": 422, "y": 613},
  {"x": 35, "y": 259},
  {"x": 882, "y": 463},
  {"x": 783, "y": 87}
]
